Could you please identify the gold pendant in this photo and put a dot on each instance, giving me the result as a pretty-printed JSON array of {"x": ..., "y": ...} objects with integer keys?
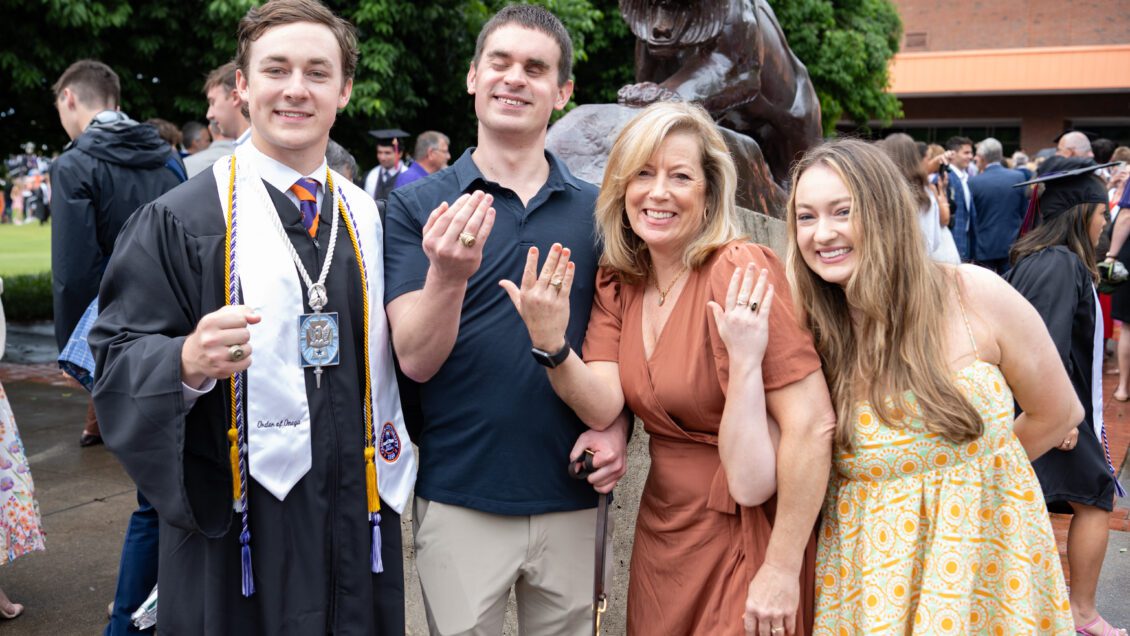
[{"x": 662, "y": 298}]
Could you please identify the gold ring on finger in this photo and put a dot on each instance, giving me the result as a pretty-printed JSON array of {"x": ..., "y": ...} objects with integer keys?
[
  {"x": 467, "y": 239},
  {"x": 556, "y": 283},
  {"x": 741, "y": 303},
  {"x": 235, "y": 353}
]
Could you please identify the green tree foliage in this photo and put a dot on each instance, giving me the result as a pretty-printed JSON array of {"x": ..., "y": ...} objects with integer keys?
[
  {"x": 412, "y": 71},
  {"x": 414, "y": 59},
  {"x": 846, "y": 45}
]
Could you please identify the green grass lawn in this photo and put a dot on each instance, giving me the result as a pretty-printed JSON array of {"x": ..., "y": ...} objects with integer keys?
[{"x": 24, "y": 249}]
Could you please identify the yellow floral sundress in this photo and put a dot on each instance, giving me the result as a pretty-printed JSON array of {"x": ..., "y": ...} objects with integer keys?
[{"x": 922, "y": 535}]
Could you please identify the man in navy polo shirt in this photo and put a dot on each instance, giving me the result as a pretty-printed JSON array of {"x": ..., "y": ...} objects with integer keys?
[{"x": 495, "y": 507}]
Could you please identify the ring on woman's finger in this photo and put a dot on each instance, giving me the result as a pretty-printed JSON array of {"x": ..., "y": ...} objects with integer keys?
[
  {"x": 741, "y": 303},
  {"x": 556, "y": 283},
  {"x": 753, "y": 306},
  {"x": 467, "y": 239},
  {"x": 235, "y": 353}
]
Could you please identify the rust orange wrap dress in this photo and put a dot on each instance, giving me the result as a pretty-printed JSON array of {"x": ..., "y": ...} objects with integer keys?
[{"x": 696, "y": 550}]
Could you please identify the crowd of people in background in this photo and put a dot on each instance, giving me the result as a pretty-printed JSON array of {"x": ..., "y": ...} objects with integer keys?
[{"x": 852, "y": 434}]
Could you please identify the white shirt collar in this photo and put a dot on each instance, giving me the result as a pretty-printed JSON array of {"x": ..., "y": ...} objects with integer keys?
[{"x": 278, "y": 174}]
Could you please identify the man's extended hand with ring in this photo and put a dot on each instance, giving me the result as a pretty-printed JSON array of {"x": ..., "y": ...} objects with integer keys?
[{"x": 454, "y": 235}]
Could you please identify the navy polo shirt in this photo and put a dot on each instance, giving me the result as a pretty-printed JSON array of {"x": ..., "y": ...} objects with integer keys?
[{"x": 494, "y": 436}]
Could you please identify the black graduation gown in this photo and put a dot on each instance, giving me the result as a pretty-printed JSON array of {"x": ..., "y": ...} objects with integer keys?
[
  {"x": 1059, "y": 286},
  {"x": 310, "y": 552}
]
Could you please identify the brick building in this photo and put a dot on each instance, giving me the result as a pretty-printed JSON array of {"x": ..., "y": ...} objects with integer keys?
[{"x": 1019, "y": 70}]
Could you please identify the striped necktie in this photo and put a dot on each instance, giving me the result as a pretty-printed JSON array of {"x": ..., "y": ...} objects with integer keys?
[{"x": 306, "y": 190}]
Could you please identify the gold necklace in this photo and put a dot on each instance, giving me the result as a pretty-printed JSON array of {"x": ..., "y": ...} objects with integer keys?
[{"x": 663, "y": 292}]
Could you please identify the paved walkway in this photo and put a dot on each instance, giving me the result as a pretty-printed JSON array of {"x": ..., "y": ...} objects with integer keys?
[{"x": 86, "y": 498}]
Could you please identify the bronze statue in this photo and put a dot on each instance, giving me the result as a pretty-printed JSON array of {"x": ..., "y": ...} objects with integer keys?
[
  {"x": 584, "y": 137},
  {"x": 733, "y": 59}
]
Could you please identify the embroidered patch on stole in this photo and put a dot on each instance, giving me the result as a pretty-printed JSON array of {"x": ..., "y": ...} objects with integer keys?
[{"x": 389, "y": 446}]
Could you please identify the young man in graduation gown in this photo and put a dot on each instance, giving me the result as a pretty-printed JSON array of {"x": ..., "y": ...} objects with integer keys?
[
  {"x": 244, "y": 368},
  {"x": 495, "y": 507}
]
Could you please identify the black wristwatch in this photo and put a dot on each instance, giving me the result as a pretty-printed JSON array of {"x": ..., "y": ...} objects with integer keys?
[{"x": 551, "y": 360}]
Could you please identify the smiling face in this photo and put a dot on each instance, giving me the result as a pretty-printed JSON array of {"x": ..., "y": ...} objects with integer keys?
[
  {"x": 962, "y": 156},
  {"x": 515, "y": 82},
  {"x": 294, "y": 86},
  {"x": 825, "y": 234},
  {"x": 665, "y": 200}
]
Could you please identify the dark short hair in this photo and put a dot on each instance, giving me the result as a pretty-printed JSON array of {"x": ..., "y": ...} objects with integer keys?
[
  {"x": 259, "y": 20},
  {"x": 167, "y": 129},
  {"x": 536, "y": 19},
  {"x": 221, "y": 76},
  {"x": 93, "y": 83},
  {"x": 1102, "y": 148},
  {"x": 957, "y": 141},
  {"x": 426, "y": 141},
  {"x": 190, "y": 132}
]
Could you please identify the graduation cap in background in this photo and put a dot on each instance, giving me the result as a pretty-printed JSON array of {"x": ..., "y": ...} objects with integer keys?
[
  {"x": 1073, "y": 184},
  {"x": 389, "y": 137}
]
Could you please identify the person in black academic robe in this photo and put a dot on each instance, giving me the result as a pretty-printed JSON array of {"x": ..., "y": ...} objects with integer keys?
[
  {"x": 310, "y": 552},
  {"x": 1061, "y": 288},
  {"x": 1054, "y": 268}
]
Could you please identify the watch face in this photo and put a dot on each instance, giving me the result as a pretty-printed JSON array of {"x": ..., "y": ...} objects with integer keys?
[{"x": 550, "y": 360}]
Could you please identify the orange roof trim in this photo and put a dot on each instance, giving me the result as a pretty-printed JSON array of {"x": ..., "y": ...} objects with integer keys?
[{"x": 1069, "y": 69}]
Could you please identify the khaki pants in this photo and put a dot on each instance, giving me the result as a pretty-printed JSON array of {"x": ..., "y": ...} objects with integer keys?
[{"x": 468, "y": 561}]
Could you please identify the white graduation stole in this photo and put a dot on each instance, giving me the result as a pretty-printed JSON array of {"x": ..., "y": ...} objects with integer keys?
[{"x": 278, "y": 412}]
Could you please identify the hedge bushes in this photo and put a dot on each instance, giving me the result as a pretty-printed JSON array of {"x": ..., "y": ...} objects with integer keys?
[{"x": 27, "y": 297}]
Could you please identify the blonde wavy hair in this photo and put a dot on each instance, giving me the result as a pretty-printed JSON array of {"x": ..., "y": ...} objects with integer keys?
[
  {"x": 640, "y": 138},
  {"x": 896, "y": 347}
]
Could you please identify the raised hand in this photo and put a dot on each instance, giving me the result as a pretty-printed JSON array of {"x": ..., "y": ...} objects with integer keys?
[
  {"x": 745, "y": 333},
  {"x": 543, "y": 301},
  {"x": 219, "y": 346},
  {"x": 454, "y": 235}
]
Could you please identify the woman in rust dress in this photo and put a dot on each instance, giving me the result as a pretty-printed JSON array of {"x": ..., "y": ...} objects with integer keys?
[{"x": 733, "y": 399}]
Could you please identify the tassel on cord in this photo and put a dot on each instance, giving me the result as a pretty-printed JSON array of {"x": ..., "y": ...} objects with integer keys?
[
  {"x": 371, "y": 480},
  {"x": 245, "y": 558},
  {"x": 374, "y": 509},
  {"x": 1032, "y": 214},
  {"x": 373, "y": 494},
  {"x": 233, "y": 437},
  {"x": 1106, "y": 450},
  {"x": 375, "y": 550}
]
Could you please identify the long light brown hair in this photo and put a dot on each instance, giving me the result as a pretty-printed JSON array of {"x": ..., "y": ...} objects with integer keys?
[
  {"x": 902, "y": 150},
  {"x": 641, "y": 137},
  {"x": 896, "y": 345}
]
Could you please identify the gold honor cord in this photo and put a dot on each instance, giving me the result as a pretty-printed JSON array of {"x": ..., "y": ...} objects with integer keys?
[
  {"x": 236, "y": 430},
  {"x": 236, "y": 433},
  {"x": 370, "y": 448},
  {"x": 229, "y": 283}
]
